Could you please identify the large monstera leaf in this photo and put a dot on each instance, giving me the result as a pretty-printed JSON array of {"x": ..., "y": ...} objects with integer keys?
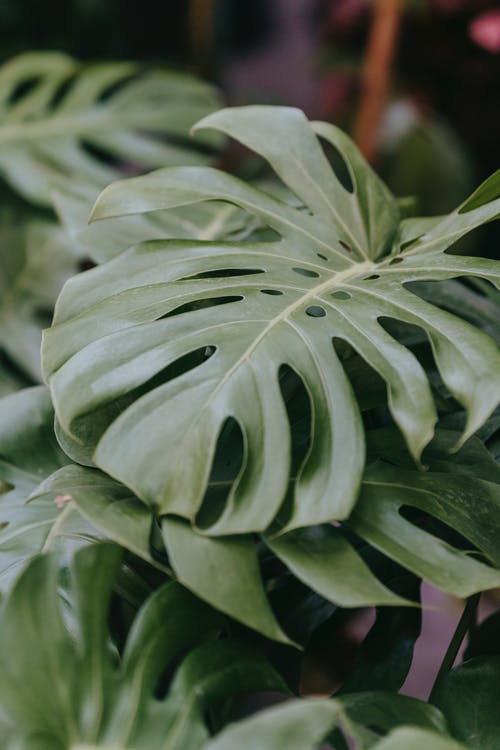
[
  {"x": 58, "y": 117},
  {"x": 154, "y": 355}
]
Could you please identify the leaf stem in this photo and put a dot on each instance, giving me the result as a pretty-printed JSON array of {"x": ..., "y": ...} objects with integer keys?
[{"x": 466, "y": 620}]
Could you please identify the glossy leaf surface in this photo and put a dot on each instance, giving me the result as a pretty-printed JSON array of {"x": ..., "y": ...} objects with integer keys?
[{"x": 247, "y": 310}]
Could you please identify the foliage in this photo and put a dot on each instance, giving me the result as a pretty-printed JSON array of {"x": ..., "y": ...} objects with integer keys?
[
  {"x": 58, "y": 117},
  {"x": 274, "y": 404}
]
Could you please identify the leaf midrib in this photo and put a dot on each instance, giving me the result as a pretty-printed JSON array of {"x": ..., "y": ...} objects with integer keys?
[
  {"x": 310, "y": 295},
  {"x": 286, "y": 313}
]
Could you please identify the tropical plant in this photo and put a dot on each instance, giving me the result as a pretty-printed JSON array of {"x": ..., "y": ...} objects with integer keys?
[
  {"x": 269, "y": 405},
  {"x": 60, "y": 117},
  {"x": 69, "y": 129}
]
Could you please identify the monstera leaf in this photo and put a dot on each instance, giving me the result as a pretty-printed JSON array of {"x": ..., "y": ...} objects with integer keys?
[
  {"x": 58, "y": 117},
  {"x": 153, "y": 353},
  {"x": 103, "y": 240},
  {"x": 81, "y": 692},
  {"x": 442, "y": 524},
  {"x": 478, "y": 302}
]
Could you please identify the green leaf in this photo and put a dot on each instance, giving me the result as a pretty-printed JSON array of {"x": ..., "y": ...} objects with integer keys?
[
  {"x": 409, "y": 738},
  {"x": 302, "y": 724},
  {"x": 296, "y": 725},
  {"x": 333, "y": 274},
  {"x": 101, "y": 241},
  {"x": 35, "y": 261},
  {"x": 324, "y": 560},
  {"x": 83, "y": 693},
  {"x": 107, "y": 505},
  {"x": 468, "y": 505},
  {"x": 224, "y": 572},
  {"x": 108, "y": 107},
  {"x": 468, "y": 696},
  {"x": 28, "y": 453},
  {"x": 382, "y": 711},
  {"x": 473, "y": 459},
  {"x": 479, "y": 306},
  {"x": 210, "y": 674},
  {"x": 34, "y": 642}
]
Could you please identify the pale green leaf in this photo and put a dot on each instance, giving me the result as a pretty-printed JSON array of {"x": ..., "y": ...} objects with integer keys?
[
  {"x": 101, "y": 241},
  {"x": 114, "y": 357},
  {"x": 466, "y": 504},
  {"x": 303, "y": 724},
  {"x": 46, "y": 131},
  {"x": 296, "y": 725}
]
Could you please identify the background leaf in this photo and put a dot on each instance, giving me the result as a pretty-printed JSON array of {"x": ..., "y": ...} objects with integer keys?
[
  {"x": 83, "y": 692},
  {"x": 35, "y": 261},
  {"x": 77, "y": 120}
]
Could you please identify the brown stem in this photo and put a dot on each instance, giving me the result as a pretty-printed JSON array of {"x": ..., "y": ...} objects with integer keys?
[
  {"x": 376, "y": 73},
  {"x": 201, "y": 19}
]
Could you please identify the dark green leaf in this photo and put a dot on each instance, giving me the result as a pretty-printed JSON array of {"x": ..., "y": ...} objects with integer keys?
[
  {"x": 224, "y": 572},
  {"x": 468, "y": 697}
]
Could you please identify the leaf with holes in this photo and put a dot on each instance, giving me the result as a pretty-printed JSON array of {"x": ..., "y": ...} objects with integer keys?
[
  {"x": 155, "y": 353},
  {"x": 477, "y": 302},
  {"x": 58, "y": 117},
  {"x": 442, "y": 527}
]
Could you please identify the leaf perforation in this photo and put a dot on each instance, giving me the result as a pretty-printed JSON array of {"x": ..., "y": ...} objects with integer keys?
[{"x": 277, "y": 322}]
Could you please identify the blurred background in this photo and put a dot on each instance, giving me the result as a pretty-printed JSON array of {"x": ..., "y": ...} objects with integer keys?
[{"x": 415, "y": 82}]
